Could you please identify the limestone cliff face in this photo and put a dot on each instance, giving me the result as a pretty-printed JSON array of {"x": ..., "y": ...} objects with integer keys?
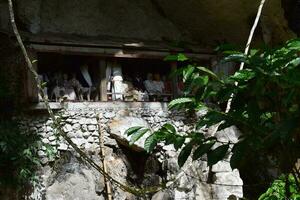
[
  {"x": 209, "y": 21},
  {"x": 205, "y": 22}
]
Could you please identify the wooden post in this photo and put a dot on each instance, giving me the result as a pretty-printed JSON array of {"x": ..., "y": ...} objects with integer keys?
[
  {"x": 103, "y": 81},
  {"x": 174, "y": 80},
  {"x": 102, "y": 157},
  {"x": 32, "y": 90}
]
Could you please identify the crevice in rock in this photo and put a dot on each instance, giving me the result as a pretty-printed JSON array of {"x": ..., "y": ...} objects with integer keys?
[
  {"x": 136, "y": 160},
  {"x": 144, "y": 169}
]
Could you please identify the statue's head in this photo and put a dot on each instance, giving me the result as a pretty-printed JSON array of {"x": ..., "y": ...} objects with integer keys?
[{"x": 149, "y": 76}]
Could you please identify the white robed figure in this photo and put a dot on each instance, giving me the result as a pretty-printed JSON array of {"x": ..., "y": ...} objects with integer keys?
[{"x": 115, "y": 80}]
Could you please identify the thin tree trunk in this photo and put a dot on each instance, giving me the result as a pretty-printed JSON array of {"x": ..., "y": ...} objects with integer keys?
[{"x": 258, "y": 15}]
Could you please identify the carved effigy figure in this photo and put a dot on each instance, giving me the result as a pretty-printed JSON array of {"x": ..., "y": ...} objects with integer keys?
[
  {"x": 132, "y": 91},
  {"x": 63, "y": 89},
  {"x": 167, "y": 85},
  {"x": 130, "y": 94},
  {"x": 158, "y": 85},
  {"x": 70, "y": 93},
  {"x": 58, "y": 90},
  {"x": 149, "y": 84},
  {"x": 114, "y": 79},
  {"x": 138, "y": 83},
  {"x": 76, "y": 85},
  {"x": 154, "y": 87}
]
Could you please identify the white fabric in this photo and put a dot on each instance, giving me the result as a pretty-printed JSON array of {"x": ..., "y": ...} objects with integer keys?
[
  {"x": 85, "y": 73},
  {"x": 108, "y": 75},
  {"x": 118, "y": 87},
  {"x": 117, "y": 72},
  {"x": 117, "y": 79},
  {"x": 70, "y": 94}
]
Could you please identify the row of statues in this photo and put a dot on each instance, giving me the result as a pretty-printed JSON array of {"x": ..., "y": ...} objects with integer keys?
[
  {"x": 63, "y": 86},
  {"x": 66, "y": 86},
  {"x": 122, "y": 87}
]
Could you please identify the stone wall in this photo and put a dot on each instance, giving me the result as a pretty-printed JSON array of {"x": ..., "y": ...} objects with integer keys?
[{"x": 64, "y": 176}]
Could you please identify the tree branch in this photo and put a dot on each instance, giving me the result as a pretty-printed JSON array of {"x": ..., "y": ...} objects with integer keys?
[{"x": 228, "y": 107}]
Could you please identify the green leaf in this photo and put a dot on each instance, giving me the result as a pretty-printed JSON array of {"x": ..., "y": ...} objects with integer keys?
[
  {"x": 294, "y": 44},
  {"x": 207, "y": 71},
  {"x": 179, "y": 141},
  {"x": 235, "y": 58},
  {"x": 211, "y": 118},
  {"x": 137, "y": 135},
  {"x": 169, "y": 127},
  {"x": 187, "y": 72},
  {"x": 34, "y": 61},
  {"x": 293, "y": 63},
  {"x": 226, "y": 47},
  {"x": 217, "y": 154},
  {"x": 179, "y": 57},
  {"x": 152, "y": 140},
  {"x": 132, "y": 130},
  {"x": 198, "y": 137},
  {"x": 184, "y": 154},
  {"x": 170, "y": 58},
  {"x": 202, "y": 149},
  {"x": 43, "y": 84},
  {"x": 239, "y": 150},
  {"x": 243, "y": 75},
  {"x": 201, "y": 81},
  {"x": 179, "y": 101},
  {"x": 253, "y": 52},
  {"x": 150, "y": 143}
]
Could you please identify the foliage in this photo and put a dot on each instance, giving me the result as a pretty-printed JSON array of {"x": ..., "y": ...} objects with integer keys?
[
  {"x": 265, "y": 108},
  {"x": 18, "y": 152},
  {"x": 18, "y": 155},
  {"x": 280, "y": 188}
]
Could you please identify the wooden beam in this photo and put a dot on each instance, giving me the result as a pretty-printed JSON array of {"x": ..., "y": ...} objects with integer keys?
[
  {"x": 103, "y": 81},
  {"x": 112, "y": 52}
]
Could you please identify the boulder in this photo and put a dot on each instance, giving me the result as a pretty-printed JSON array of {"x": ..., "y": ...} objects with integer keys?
[
  {"x": 230, "y": 134},
  {"x": 119, "y": 126}
]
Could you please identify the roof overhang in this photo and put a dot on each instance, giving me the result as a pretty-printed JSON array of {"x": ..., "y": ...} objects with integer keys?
[{"x": 112, "y": 47}]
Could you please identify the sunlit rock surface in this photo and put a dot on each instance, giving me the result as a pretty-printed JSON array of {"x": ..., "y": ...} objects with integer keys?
[{"x": 65, "y": 174}]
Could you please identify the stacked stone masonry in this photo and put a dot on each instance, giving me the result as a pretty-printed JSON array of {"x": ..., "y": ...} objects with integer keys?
[{"x": 64, "y": 176}]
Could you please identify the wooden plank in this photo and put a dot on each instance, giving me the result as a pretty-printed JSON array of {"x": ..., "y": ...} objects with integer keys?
[
  {"x": 111, "y": 52},
  {"x": 103, "y": 81},
  {"x": 110, "y": 42}
]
